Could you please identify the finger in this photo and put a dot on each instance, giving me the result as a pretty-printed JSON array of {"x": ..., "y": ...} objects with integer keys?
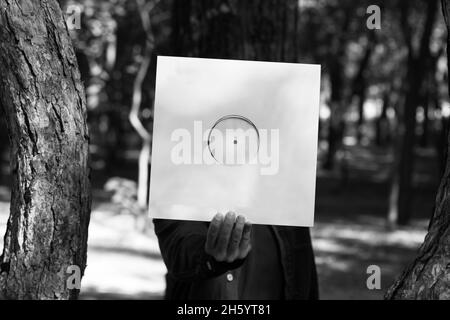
[
  {"x": 235, "y": 240},
  {"x": 245, "y": 245},
  {"x": 224, "y": 236},
  {"x": 213, "y": 232}
]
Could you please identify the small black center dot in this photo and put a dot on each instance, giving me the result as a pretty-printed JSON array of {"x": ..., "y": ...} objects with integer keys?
[{"x": 235, "y": 141}]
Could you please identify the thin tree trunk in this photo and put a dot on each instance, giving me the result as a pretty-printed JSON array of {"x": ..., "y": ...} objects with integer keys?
[
  {"x": 284, "y": 27},
  {"x": 407, "y": 142},
  {"x": 361, "y": 119},
  {"x": 431, "y": 96},
  {"x": 426, "y": 121},
  {"x": 144, "y": 154},
  {"x": 359, "y": 86},
  {"x": 416, "y": 72},
  {"x": 381, "y": 128},
  {"x": 337, "y": 104},
  {"x": 428, "y": 277},
  {"x": 181, "y": 35},
  {"x": 295, "y": 34},
  {"x": 44, "y": 102}
]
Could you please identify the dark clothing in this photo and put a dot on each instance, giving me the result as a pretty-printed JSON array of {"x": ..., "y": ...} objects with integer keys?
[
  {"x": 261, "y": 276},
  {"x": 193, "y": 274}
]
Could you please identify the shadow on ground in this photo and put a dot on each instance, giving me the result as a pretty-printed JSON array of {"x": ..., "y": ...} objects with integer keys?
[{"x": 349, "y": 234}]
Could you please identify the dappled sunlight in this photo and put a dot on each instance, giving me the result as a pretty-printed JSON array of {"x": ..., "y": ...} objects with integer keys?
[
  {"x": 121, "y": 273},
  {"x": 333, "y": 264},
  {"x": 4, "y": 213},
  {"x": 344, "y": 249},
  {"x": 371, "y": 235},
  {"x": 122, "y": 260}
]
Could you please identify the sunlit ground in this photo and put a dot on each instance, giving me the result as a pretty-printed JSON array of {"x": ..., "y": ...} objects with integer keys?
[
  {"x": 122, "y": 262},
  {"x": 125, "y": 263},
  {"x": 349, "y": 234},
  {"x": 344, "y": 251}
]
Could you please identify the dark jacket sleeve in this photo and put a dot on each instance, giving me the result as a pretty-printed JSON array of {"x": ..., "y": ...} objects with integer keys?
[{"x": 182, "y": 245}]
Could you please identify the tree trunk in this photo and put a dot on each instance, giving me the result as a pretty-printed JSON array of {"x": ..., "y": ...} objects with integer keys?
[
  {"x": 44, "y": 102},
  {"x": 425, "y": 122},
  {"x": 295, "y": 34},
  {"x": 181, "y": 35},
  {"x": 359, "y": 85},
  {"x": 414, "y": 79},
  {"x": 144, "y": 154},
  {"x": 428, "y": 277},
  {"x": 382, "y": 123},
  {"x": 406, "y": 147},
  {"x": 337, "y": 105}
]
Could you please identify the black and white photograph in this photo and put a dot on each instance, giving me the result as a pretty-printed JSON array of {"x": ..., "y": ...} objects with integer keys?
[{"x": 192, "y": 152}]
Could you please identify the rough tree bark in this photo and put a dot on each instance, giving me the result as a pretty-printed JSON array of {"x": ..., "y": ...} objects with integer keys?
[
  {"x": 44, "y": 102},
  {"x": 428, "y": 277}
]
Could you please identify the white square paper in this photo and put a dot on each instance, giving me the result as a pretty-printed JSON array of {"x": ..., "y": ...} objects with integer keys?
[{"x": 268, "y": 176}]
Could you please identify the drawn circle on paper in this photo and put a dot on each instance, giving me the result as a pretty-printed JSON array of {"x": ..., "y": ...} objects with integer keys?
[{"x": 234, "y": 140}]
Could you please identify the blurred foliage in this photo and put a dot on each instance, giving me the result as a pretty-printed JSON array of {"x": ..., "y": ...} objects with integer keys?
[{"x": 366, "y": 74}]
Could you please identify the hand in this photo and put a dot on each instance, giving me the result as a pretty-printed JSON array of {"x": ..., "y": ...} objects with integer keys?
[{"x": 228, "y": 238}]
